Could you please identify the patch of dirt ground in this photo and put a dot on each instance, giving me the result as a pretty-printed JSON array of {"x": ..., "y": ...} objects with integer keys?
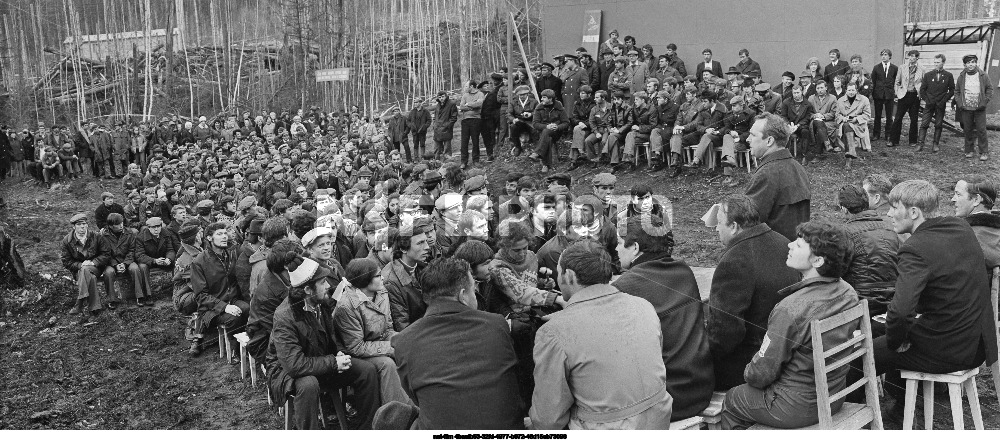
[{"x": 130, "y": 370}]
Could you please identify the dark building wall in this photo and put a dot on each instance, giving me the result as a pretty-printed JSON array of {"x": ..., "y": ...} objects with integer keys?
[{"x": 781, "y": 35}]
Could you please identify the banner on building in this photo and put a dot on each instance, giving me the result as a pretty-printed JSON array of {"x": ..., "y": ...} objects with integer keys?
[{"x": 592, "y": 31}]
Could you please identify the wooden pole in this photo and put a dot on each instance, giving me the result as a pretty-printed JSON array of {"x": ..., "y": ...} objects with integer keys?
[
  {"x": 510, "y": 61},
  {"x": 527, "y": 65}
]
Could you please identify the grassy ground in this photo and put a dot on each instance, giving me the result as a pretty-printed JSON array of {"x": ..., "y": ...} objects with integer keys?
[{"x": 129, "y": 370}]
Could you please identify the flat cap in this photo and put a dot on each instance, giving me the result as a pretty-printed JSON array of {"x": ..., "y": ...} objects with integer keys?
[
  {"x": 475, "y": 183},
  {"x": 277, "y": 169},
  {"x": 246, "y": 203},
  {"x": 762, "y": 87},
  {"x": 311, "y": 235},
  {"x": 522, "y": 89},
  {"x": 78, "y": 218},
  {"x": 189, "y": 229},
  {"x": 448, "y": 201},
  {"x": 205, "y": 203},
  {"x": 154, "y": 222}
]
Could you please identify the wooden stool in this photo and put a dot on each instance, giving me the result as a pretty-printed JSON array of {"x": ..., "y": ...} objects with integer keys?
[
  {"x": 225, "y": 350},
  {"x": 691, "y": 423},
  {"x": 642, "y": 146},
  {"x": 956, "y": 381},
  {"x": 246, "y": 359},
  {"x": 712, "y": 415},
  {"x": 744, "y": 158}
]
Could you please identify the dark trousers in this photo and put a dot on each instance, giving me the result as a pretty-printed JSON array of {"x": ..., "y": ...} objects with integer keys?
[
  {"x": 974, "y": 125},
  {"x": 233, "y": 324},
  {"x": 471, "y": 128},
  {"x": 546, "y": 147},
  {"x": 442, "y": 148},
  {"x": 419, "y": 144},
  {"x": 933, "y": 113},
  {"x": 908, "y": 104},
  {"x": 517, "y": 129},
  {"x": 804, "y": 142},
  {"x": 490, "y": 125},
  {"x": 362, "y": 376},
  {"x": 890, "y": 361},
  {"x": 887, "y": 105},
  {"x": 406, "y": 147},
  {"x": 775, "y": 407}
]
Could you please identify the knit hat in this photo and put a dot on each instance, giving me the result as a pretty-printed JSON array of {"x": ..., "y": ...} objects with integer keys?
[
  {"x": 306, "y": 272},
  {"x": 189, "y": 230},
  {"x": 255, "y": 226}
]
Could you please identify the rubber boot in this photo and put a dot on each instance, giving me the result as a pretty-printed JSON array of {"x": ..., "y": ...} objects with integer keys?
[{"x": 937, "y": 139}]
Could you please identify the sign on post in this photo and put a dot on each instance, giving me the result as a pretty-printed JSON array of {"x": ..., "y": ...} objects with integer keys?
[
  {"x": 336, "y": 74},
  {"x": 592, "y": 31}
]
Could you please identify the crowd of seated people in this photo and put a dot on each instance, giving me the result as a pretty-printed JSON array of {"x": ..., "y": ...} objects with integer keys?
[{"x": 441, "y": 301}]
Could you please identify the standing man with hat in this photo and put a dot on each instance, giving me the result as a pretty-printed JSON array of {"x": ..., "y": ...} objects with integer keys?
[
  {"x": 548, "y": 81},
  {"x": 590, "y": 68},
  {"x": 573, "y": 79},
  {"x": 636, "y": 74},
  {"x": 445, "y": 116},
  {"x": 85, "y": 256},
  {"x": 973, "y": 92}
]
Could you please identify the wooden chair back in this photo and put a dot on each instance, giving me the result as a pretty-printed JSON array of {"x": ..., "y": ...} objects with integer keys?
[
  {"x": 859, "y": 346},
  {"x": 994, "y": 289}
]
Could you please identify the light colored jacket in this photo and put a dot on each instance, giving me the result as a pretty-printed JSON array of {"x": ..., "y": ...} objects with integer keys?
[
  {"x": 598, "y": 365},
  {"x": 364, "y": 326},
  {"x": 858, "y": 115},
  {"x": 475, "y": 103},
  {"x": 903, "y": 79}
]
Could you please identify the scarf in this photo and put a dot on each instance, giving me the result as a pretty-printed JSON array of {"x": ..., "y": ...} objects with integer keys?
[{"x": 590, "y": 231}]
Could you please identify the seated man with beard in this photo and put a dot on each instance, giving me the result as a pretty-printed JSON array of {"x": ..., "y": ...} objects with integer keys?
[
  {"x": 644, "y": 249},
  {"x": 303, "y": 358}
]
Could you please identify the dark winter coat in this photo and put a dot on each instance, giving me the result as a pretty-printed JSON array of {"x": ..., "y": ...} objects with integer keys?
[
  {"x": 780, "y": 189},
  {"x": 149, "y": 247},
  {"x": 267, "y": 296},
  {"x": 686, "y": 354},
  {"x": 74, "y": 253},
  {"x": 214, "y": 283},
  {"x": 871, "y": 268},
  {"x": 445, "y": 117},
  {"x": 745, "y": 288},
  {"x": 406, "y": 301}
]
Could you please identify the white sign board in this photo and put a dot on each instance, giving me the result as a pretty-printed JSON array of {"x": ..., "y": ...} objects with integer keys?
[{"x": 337, "y": 74}]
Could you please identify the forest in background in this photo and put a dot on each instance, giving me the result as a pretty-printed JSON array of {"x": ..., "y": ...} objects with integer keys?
[{"x": 236, "y": 55}]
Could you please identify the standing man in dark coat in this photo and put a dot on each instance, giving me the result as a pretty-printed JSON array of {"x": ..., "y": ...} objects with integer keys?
[
  {"x": 453, "y": 391},
  {"x": 445, "y": 117},
  {"x": 548, "y": 81},
  {"x": 780, "y": 186},
  {"x": 708, "y": 65},
  {"x": 419, "y": 120},
  {"x": 644, "y": 248},
  {"x": 835, "y": 68},
  {"x": 574, "y": 77},
  {"x": 936, "y": 90},
  {"x": 745, "y": 287},
  {"x": 940, "y": 319},
  {"x": 883, "y": 92},
  {"x": 397, "y": 128},
  {"x": 748, "y": 66}
]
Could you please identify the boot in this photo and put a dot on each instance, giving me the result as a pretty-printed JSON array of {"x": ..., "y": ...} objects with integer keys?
[
  {"x": 658, "y": 165},
  {"x": 937, "y": 139},
  {"x": 675, "y": 171},
  {"x": 78, "y": 307},
  {"x": 921, "y": 137},
  {"x": 195, "y": 349}
]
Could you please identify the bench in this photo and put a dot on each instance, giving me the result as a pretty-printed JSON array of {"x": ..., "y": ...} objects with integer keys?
[{"x": 712, "y": 416}]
